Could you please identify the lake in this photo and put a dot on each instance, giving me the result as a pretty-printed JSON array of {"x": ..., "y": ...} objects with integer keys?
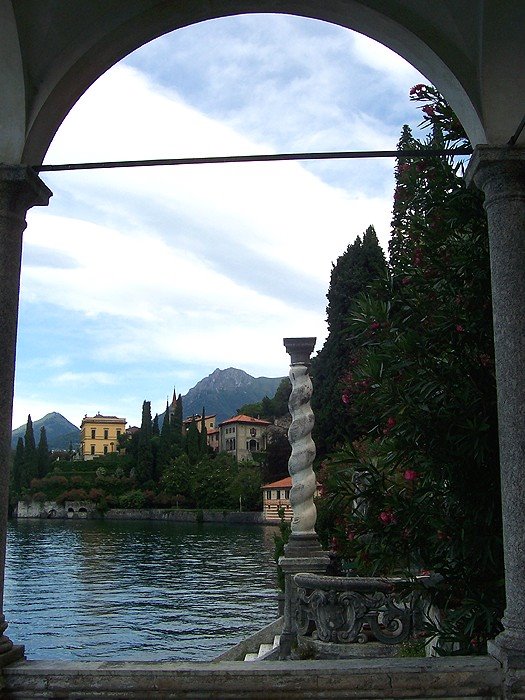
[{"x": 149, "y": 590}]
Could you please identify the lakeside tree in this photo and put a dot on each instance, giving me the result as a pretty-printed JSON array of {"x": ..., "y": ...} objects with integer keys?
[
  {"x": 155, "y": 430},
  {"x": 176, "y": 422},
  {"x": 144, "y": 471},
  {"x": 43, "y": 455},
  {"x": 361, "y": 264},
  {"x": 30, "y": 463},
  {"x": 421, "y": 387}
]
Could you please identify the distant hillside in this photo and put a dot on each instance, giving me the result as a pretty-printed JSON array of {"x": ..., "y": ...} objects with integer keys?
[
  {"x": 59, "y": 431},
  {"x": 224, "y": 391}
]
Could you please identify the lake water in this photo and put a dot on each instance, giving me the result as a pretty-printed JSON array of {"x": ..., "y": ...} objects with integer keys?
[{"x": 155, "y": 591}]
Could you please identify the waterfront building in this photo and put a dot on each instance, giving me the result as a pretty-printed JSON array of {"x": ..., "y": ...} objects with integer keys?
[
  {"x": 242, "y": 436},
  {"x": 276, "y": 495},
  {"x": 99, "y": 435}
]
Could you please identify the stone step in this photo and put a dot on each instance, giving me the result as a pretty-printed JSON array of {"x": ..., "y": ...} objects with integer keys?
[
  {"x": 264, "y": 649},
  {"x": 251, "y": 657}
]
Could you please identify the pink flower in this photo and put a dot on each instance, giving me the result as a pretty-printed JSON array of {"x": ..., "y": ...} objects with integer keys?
[
  {"x": 428, "y": 110},
  {"x": 410, "y": 475},
  {"x": 418, "y": 88},
  {"x": 405, "y": 280},
  {"x": 345, "y": 398},
  {"x": 350, "y": 535},
  {"x": 390, "y": 422},
  {"x": 387, "y": 517},
  {"x": 375, "y": 325},
  {"x": 460, "y": 328}
]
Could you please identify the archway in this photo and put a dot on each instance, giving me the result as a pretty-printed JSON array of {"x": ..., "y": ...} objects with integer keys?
[
  {"x": 436, "y": 40},
  {"x": 470, "y": 52}
]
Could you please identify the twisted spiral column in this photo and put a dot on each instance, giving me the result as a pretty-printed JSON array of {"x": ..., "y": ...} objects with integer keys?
[
  {"x": 303, "y": 452},
  {"x": 303, "y": 552}
]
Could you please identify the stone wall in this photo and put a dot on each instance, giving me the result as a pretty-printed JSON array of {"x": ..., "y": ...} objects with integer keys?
[
  {"x": 51, "y": 509},
  {"x": 187, "y": 516},
  {"x": 87, "y": 509}
]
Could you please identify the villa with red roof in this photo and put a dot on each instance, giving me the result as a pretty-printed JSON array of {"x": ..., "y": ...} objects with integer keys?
[
  {"x": 242, "y": 436},
  {"x": 276, "y": 496}
]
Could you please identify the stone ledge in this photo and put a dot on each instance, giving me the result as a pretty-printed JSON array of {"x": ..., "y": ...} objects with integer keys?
[{"x": 458, "y": 677}]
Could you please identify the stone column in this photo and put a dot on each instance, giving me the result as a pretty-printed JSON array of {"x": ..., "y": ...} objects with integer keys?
[
  {"x": 20, "y": 189},
  {"x": 500, "y": 173},
  {"x": 303, "y": 553}
]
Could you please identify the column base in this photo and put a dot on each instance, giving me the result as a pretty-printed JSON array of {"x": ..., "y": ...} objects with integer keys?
[
  {"x": 304, "y": 546},
  {"x": 509, "y": 657},
  {"x": 302, "y": 554},
  {"x": 16, "y": 653}
]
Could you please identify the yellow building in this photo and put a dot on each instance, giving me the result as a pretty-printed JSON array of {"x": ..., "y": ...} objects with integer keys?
[
  {"x": 241, "y": 436},
  {"x": 99, "y": 435}
]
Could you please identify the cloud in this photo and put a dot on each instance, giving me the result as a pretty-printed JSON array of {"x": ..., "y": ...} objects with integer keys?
[
  {"x": 81, "y": 379},
  {"x": 157, "y": 276}
]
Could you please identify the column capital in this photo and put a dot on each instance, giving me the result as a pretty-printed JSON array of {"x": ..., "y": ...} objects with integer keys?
[
  {"x": 490, "y": 161},
  {"x": 299, "y": 349},
  {"x": 20, "y": 189}
]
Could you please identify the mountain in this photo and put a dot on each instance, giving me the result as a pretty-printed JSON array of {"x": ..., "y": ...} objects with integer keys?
[
  {"x": 59, "y": 431},
  {"x": 226, "y": 390}
]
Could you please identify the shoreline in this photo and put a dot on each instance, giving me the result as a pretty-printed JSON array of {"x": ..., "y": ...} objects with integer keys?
[{"x": 87, "y": 510}]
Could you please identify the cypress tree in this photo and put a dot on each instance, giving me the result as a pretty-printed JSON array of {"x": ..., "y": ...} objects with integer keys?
[
  {"x": 155, "y": 431},
  {"x": 145, "y": 466},
  {"x": 176, "y": 423},
  {"x": 43, "y": 457},
  {"x": 361, "y": 263},
  {"x": 30, "y": 467}
]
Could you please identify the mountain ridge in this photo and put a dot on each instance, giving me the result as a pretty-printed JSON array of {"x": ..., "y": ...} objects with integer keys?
[
  {"x": 221, "y": 393},
  {"x": 59, "y": 431}
]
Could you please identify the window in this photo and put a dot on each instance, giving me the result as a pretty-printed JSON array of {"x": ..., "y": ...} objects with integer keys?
[
  {"x": 93, "y": 433},
  {"x": 287, "y": 493},
  {"x": 92, "y": 449},
  {"x": 252, "y": 445},
  {"x": 118, "y": 433},
  {"x": 106, "y": 434},
  {"x": 105, "y": 449},
  {"x": 278, "y": 494},
  {"x": 268, "y": 494}
]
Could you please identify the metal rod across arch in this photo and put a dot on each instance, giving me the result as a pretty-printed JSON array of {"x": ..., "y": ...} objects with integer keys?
[{"x": 257, "y": 158}]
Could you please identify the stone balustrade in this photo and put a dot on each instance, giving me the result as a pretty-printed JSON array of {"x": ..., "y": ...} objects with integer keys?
[{"x": 356, "y": 609}]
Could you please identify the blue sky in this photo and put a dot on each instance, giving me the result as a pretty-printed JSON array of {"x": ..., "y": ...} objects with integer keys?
[{"x": 136, "y": 281}]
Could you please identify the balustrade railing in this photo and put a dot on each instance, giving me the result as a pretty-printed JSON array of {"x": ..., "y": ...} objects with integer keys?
[{"x": 357, "y": 609}]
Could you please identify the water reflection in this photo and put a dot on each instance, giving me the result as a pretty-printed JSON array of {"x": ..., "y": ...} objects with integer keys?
[{"x": 87, "y": 589}]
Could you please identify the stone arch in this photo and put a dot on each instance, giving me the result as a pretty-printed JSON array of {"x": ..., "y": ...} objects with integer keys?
[{"x": 428, "y": 40}]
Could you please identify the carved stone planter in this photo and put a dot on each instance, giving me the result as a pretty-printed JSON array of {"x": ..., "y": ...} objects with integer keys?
[{"x": 356, "y": 609}]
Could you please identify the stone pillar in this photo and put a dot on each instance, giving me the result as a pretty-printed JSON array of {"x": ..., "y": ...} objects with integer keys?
[
  {"x": 20, "y": 189},
  {"x": 303, "y": 553},
  {"x": 500, "y": 173}
]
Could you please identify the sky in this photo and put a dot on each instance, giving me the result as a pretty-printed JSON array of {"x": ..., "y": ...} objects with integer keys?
[{"x": 139, "y": 281}]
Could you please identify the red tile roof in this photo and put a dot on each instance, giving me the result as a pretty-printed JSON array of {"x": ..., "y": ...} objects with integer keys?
[
  {"x": 285, "y": 483},
  {"x": 245, "y": 419}
]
